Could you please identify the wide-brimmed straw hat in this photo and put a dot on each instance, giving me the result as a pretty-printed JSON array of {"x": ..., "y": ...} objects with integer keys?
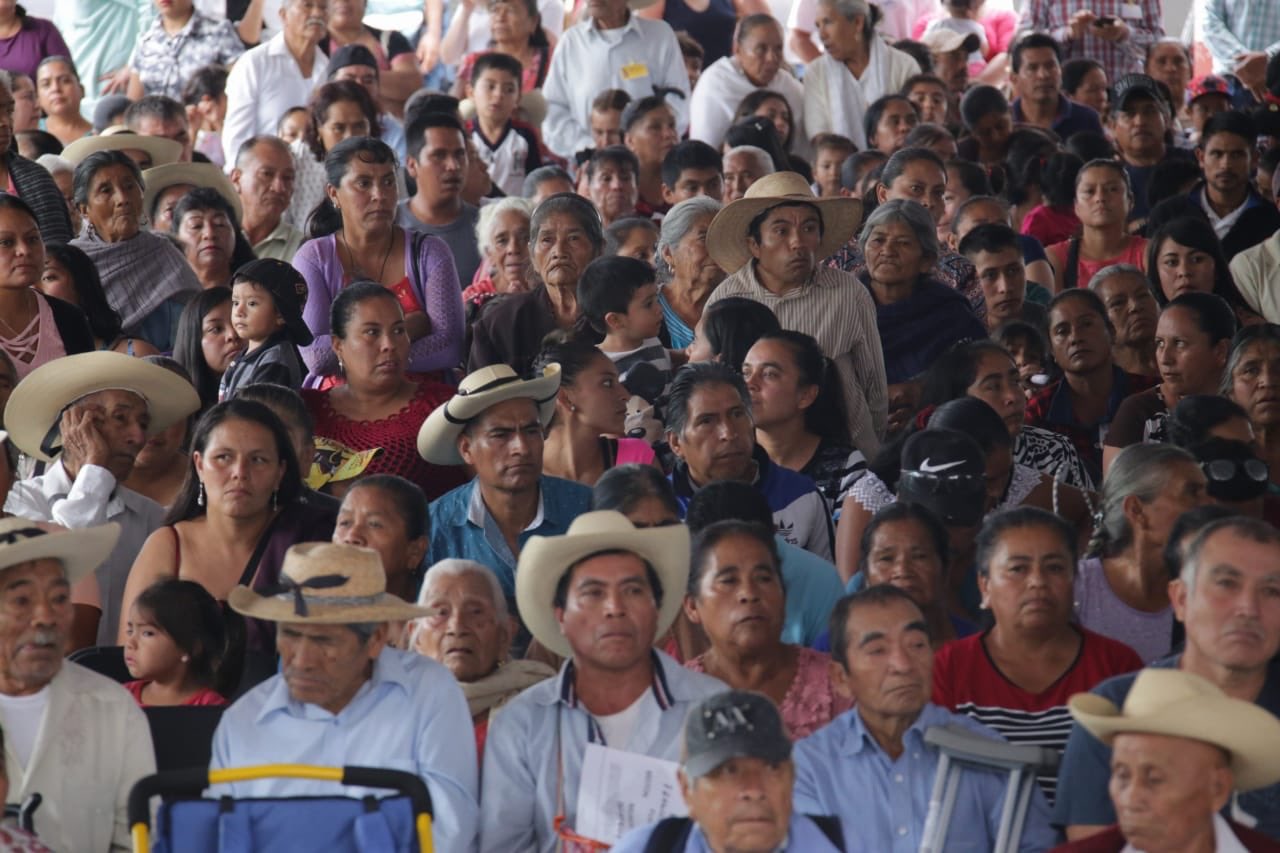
[
  {"x": 1180, "y": 704},
  {"x": 327, "y": 584},
  {"x": 488, "y": 386},
  {"x": 545, "y": 559},
  {"x": 727, "y": 236},
  {"x": 120, "y": 138},
  {"x": 157, "y": 179},
  {"x": 34, "y": 410},
  {"x": 80, "y": 551}
]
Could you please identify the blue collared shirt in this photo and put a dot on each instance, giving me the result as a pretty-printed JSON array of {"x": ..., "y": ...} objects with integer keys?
[
  {"x": 534, "y": 749},
  {"x": 803, "y": 836},
  {"x": 882, "y": 802},
  {"x": 410, "y": 715}
]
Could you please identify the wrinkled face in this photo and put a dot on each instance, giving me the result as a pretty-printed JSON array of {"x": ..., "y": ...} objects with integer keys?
[
  {"x": 690, "y": 261},
  {"x": 209, "y": 239},
  {"x": 465, "y": 631},
  {"x": 1029, "y": 579},
  {"x": 326, "y": 664},
  {"x": 597, "y": 397},
  {"x": 890, "y": 661},
  {"x": 504, "y": 445},
  {"x": 240, "y": 467},
  {"x": 840, "y": 36},
  {"x": 35, "y": 624},
  {"x": 306, "y": 20},
  {"x": 1078, "y": 337},
  {"x": 369, "y": 518},
  {"x": 21, "y": 250},
  {"x": 562, "y": 249},
  {"x": 739, "y": 601},
  {"x": 1188, "y": 362},
  {"x": 931, "y": 100},
  {"x": 1167, "y": 789},
  {"x": 123, "y": 420},
  {"x": 740, "y": 172},
  {"x": 265, "y": 185},
  {"x": 1139, "y": 127},
  {"x": 718, "y": 436},
  {"x": 165, "y": 202},
  {"x": 58, "y": 91},
  {"x": 759, "y": 53},
  {"x": 787, "y": 248},
  {"x": 742, "y": 805},
  {"x": 898, "y": 119},
  {"x": 613, "y": 190},
  {"x": 902, "y": 553},
  {"x": 1003, "y": 278},
  {"x": 922, "y": 182},
  {"x": 1168, "y": 64},
  {"x": 610, "y": 613},
  {"x": 1184, "y": 489},
  {"x": 1131, "y": 308},
  {"x": 1039, "y": 78},
  {"x": 1255, "y": 382},
  {"x": 115, "y": 202},
  {"x": 508, "y": 252},
  {"x": 653, "y": 135},
  {"x": 894, "y": 255},
  {"x": 1227, "y": 161},
  {"x": 997, "y": 383},
  {"x": 1102, "y": 197},
  {"x": 218, "y": 339}
]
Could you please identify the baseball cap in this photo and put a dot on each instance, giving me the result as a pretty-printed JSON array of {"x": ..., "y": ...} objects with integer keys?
[
  {"x": 288, "y": 290},
  {"x": 351, "y": 54},
  {"x": 1132, "y": 86},
  {"x": 945, "y": 471},
  {"x": 1209, "y": 84},
  {"x": 945, "y": 40},
  {"x": 733, "y": 724}
]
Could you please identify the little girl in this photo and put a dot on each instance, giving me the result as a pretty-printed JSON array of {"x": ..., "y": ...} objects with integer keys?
[{"x": 175, "y": 643}]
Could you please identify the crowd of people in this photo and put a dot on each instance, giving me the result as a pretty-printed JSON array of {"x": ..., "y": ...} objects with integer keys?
[{"x": 732, "y": 392}]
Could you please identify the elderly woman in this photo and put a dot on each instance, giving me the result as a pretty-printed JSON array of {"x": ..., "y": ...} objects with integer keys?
[
  {"x": 856, "y": 69},
  {"x": 469, "y": 631},
  {"x": 338, "y": 110},
  {"x": 146, "y": 279},
  {"x": 917, "y": 316},
  {"x": 1017, "y": 676},
  {"x": 59, "y": 92},
  {"x": 1253, "y": 381},
  {"x": 756, "y": 63},
  {"x": 502, "y": 234},
  {"x": 1122, "y": 589},
  {"x": 736, "y": 593},
  {"x": 1133, "y": 312},
  {"x": 743, "y": 166},
  {"x": 1103, "y": 201},
  {"x": 354, "y": 237},
  {"x": 565, "y": 234},
  {"x": 1185, "y": 256},
  {"x": 685, "y": 268},
  {"x": 206, "y": 225},
  {"x": 649, "y": 132},
  {"x": 388, "y": 514}
]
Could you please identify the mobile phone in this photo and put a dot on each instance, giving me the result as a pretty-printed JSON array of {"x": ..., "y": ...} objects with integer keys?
[{"x": 1104, "y": 21}]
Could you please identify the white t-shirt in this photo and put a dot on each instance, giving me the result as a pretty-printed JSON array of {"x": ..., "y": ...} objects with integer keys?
[
  {"x": 21, "y": 716},
  {"x": 618, "y": 727}
]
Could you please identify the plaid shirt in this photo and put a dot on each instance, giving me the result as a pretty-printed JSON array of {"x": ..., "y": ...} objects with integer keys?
[
  {"x": 1239, "y": 26},
  {"x": 1118, "y": 58},
  {"x": 166, "y": 62}
]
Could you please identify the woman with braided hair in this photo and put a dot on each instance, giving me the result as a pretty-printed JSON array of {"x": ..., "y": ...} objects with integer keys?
[{"x": 1121, "y": 589}]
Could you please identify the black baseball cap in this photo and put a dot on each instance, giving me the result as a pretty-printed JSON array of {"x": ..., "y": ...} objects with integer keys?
[
  {"x": 288, "y": 290},
  {"x": 351, "y": 54},
  {"x": 945, "y": 471},
  {"x": 733, "y": 724},
  {"x": 1133, "y": 86}
]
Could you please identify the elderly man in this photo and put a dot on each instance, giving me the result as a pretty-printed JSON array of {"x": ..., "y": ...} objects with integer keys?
[
  {"x": 743, "y": 166},
  {"x": 276, "y": 75},
  {"x": 72, "y": 736},
  {"x": 611, "y": 48},
  {"x": 871, "y": 766},
  {"x": 437, "y": 151},
  {"x": 158, "y": 115},
  {"x": 736, "y": 777},
  {"x": 599, "y": 595},
  {"x": 263, "y": 176},
  {"x": 712, "y": 434},
  {"x": 343, "y": 696},
  {"x": 495, "y": 424},
  {"x": 89, "y": 415},
  {"x": 612, "y": 174},
  {"x": 1225, "y": 598},
  {"x": 1179, "y": 748},
  {"x": 772, "y": 242}
]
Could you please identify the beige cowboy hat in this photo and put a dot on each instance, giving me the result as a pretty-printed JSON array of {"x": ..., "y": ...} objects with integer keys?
[
  {"x": 80, "y": 551},
  {"x": 327, "y": 584},
  {"x": 545, "y": 559},
  {"x": 727, "y": 236},
  {"x": 1180, "y": 704},
  {"x": 157, "y": 179},
  {"x": 533, "y": 107},
  {"x": 488, "y": 386},
  {"x": 34, "y": 411},
  {"x": 120, "y": 138}
]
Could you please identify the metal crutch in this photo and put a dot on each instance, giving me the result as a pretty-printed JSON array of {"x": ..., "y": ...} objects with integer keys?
[{"x": 959, "y": 747}]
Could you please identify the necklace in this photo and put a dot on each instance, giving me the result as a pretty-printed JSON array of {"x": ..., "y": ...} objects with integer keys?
[{"x": 354, "y": 271}]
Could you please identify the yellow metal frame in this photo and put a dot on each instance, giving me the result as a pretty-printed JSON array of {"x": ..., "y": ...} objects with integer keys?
[{"x": 141, "y": 831}]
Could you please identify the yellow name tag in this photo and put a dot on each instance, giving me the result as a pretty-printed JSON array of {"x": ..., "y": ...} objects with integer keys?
[{"x": 634, "y": 71}]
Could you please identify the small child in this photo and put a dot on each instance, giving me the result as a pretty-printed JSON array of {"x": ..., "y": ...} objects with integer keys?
[
  {"x": 694, "y": 55},
  {"x": 606, "y": 118},
  {"x": 507, "y": 146},
  {"x": 830, "y": 152},
  {"x": 266, "y": 311},
  {"x": 175, "y": 642},
  {"x": 293, "y": 124},
  {"x": 619, "y": 298},
  {"x": 631, "y": 237}
]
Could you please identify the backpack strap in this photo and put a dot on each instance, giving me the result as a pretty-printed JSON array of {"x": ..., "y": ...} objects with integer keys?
[{"x": 670, "y": 834}]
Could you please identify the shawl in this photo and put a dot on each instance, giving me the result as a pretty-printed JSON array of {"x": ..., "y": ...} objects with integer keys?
[
  {"x": 916, "y": 330},
  {"x": 138, "y": 274},
  {"x": 504, "y": 682}
]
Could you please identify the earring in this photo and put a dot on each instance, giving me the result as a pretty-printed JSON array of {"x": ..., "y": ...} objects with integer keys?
[
  {"x": 342, "y": 368},
  {"x": 200, "y": 495},
  {"x": 186, "y": 658},
  {"x": 275, "y": 500},
  {"x": 573, "y": 407}
]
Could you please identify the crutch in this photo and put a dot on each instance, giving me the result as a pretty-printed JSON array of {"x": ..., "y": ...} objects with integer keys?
[{"x": 959, "y": 747}]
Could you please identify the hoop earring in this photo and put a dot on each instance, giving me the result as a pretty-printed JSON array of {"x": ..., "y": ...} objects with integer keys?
[{"x": 200, "y": 495}]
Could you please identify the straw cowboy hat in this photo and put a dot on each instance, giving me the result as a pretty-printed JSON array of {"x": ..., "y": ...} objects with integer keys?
[
  {"x": 120, "y": 138},
  {"x": 488, "y": 386},
  {"x": 80, "y": 551},
  {"x": 727, "y": 236},
  {"x": 327, "y": 584},
  {"x": 157, "y": 179},
  {"x": 1181, "y": 704},
  {"x": 34, "y": 410},
  {"x": 545, "y": 559}
]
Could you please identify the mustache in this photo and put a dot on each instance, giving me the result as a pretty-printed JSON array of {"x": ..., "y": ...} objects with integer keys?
[
  {"x": 320, "y": 22},
  {"x": 44, "y": 637}
]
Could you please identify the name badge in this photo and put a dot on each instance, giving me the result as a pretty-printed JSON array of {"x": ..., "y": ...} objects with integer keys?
[
  {"x": 1130, "y": 10},
  {"x": 634, "y": 71}
]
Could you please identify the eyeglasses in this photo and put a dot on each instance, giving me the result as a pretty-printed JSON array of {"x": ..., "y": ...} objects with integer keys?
[{"x": 1226, "y": 470}]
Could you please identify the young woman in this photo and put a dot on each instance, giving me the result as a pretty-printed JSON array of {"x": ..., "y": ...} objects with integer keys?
[{"x": 1103, "y": 200}]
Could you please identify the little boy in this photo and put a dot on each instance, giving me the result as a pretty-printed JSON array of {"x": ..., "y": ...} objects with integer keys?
[
  {"x": 508, "y": 147},
  {"x": 1030, "y": 352},
  {"x": 631, "y": 237},
  {"x": 619, "y": 297},
  {"x": 266, "y": 311},
  {"x": 606, "y": 118},
  {"x": 830, "y": 152}
]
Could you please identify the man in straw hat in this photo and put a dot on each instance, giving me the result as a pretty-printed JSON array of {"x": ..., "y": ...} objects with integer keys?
[
  {"x": 74, "y": 737},
  {"x": 1227, "y": 597},
  {"x": 599, "y": 595},
  {"x": 773, "y": 242},
  {"x": 343, "y": 696},
  {"x": 1179, "y": 748},
  {"x": 90, "y": 415},
  {"x": 495, "y": 424}
]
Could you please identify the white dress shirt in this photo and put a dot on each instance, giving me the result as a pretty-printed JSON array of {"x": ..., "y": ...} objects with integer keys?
[
  {"x": 722, "y": 87},
  {"x": 263, "y": 85},
  {"x": 94, "y": 498},
  {"x": 636, "y": 57}
]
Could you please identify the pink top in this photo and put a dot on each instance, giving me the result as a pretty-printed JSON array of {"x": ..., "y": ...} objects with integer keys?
[
  {"x": 1135, "y": 254},
  {"x": 811, "y": 701},
  {"x": 204, "y": 697},
  {"x": 38, "y": 343},
  {"x": 634, "y": 451},
  {"x": 1051, "y": 225}
]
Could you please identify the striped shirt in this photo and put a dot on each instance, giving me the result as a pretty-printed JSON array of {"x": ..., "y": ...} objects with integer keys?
[{"x": 839, "y": 313}]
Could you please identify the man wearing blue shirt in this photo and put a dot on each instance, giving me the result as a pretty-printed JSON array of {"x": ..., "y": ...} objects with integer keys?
[
  {"x": 870, "y": 766},
  {"x": 1037, "y": 82},
  {"x": 344, "y": 697}
]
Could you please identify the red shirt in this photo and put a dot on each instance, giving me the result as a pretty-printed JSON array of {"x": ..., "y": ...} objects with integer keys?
[{"x": 204, "y": 697}]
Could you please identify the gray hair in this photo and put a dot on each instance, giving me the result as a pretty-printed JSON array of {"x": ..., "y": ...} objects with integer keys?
[
  {"x": 1106, "y": 273},
  {"x": 1253, "y": 529},
  {"x": 764, "y": 163},
  {"x": 573, "y": 205},
  {"x": 908, "y": 213},
  {"x": 55, "y": 164},
  {"x": 541, "y": 175},
  {"x": 489, "y": 218},
  {"x": 1141, "y": 470},
  {"x": 676, "y": 224},
  {"x": 455, "y": 568},
  {"x": 850, "y": 9},
  {"x": 247, "y": 147}
]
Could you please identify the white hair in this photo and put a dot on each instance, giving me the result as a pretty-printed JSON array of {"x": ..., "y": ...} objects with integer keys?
[
  {"x": 453, "y": 568},
  {"x": 489, "y": 219},
  {"x": 764, "y": 163}
]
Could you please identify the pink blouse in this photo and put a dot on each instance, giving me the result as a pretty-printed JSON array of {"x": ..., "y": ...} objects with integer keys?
[{"x": 37, "y": 344}]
